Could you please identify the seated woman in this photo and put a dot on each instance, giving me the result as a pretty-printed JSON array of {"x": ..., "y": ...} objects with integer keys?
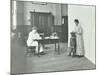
[{"x": 33, "y": 35}]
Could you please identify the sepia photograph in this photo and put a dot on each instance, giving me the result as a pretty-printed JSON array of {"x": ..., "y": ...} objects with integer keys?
[{"x": 52, "y": 37}]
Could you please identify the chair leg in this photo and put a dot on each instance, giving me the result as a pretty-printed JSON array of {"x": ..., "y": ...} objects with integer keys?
[
  {"x": 28, "y": 51},
  {"x": 32, "y": 50}
]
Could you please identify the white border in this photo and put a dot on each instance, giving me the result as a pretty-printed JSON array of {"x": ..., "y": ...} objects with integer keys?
[{"x": 5, "y": 37}]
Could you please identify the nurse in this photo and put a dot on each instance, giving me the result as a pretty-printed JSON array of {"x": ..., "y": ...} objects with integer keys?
[{"x": 79, "y": 38}]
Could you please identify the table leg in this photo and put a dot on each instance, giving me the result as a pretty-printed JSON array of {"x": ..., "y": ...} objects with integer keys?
[
  {"x": 55, "y": 47},
  {"x": 58, "y": 48},
  {"x": 38, "y": 49}
]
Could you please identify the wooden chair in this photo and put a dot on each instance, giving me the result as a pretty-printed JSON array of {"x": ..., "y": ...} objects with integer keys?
[{"x": 29, "y": 49}]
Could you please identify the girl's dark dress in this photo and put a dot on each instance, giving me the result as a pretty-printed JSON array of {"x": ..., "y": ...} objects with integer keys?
[{"x": 72, "y": 44}]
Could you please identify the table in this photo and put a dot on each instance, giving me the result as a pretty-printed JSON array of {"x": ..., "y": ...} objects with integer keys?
[{"x": 49, "y": 40}]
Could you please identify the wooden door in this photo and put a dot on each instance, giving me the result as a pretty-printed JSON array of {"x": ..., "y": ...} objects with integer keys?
[{"x": 65, "y": 29}]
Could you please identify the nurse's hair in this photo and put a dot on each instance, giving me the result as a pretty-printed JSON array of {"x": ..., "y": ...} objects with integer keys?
[{"x": 76, "y": 20}]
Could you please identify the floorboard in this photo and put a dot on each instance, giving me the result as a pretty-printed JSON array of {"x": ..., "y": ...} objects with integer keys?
[{"x": 51, "y": 61}]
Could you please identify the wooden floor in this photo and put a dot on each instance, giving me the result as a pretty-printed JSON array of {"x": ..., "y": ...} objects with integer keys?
[{"x": 49, "y": 62}]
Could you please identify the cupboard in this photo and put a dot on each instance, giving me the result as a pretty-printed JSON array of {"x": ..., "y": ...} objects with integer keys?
[{"x": 43, "y": 21}]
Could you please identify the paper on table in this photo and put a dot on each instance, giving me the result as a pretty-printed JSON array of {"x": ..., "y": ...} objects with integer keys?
[
  {"x": 54, "y": 37},
  {"x": 47, "y": 37}
]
